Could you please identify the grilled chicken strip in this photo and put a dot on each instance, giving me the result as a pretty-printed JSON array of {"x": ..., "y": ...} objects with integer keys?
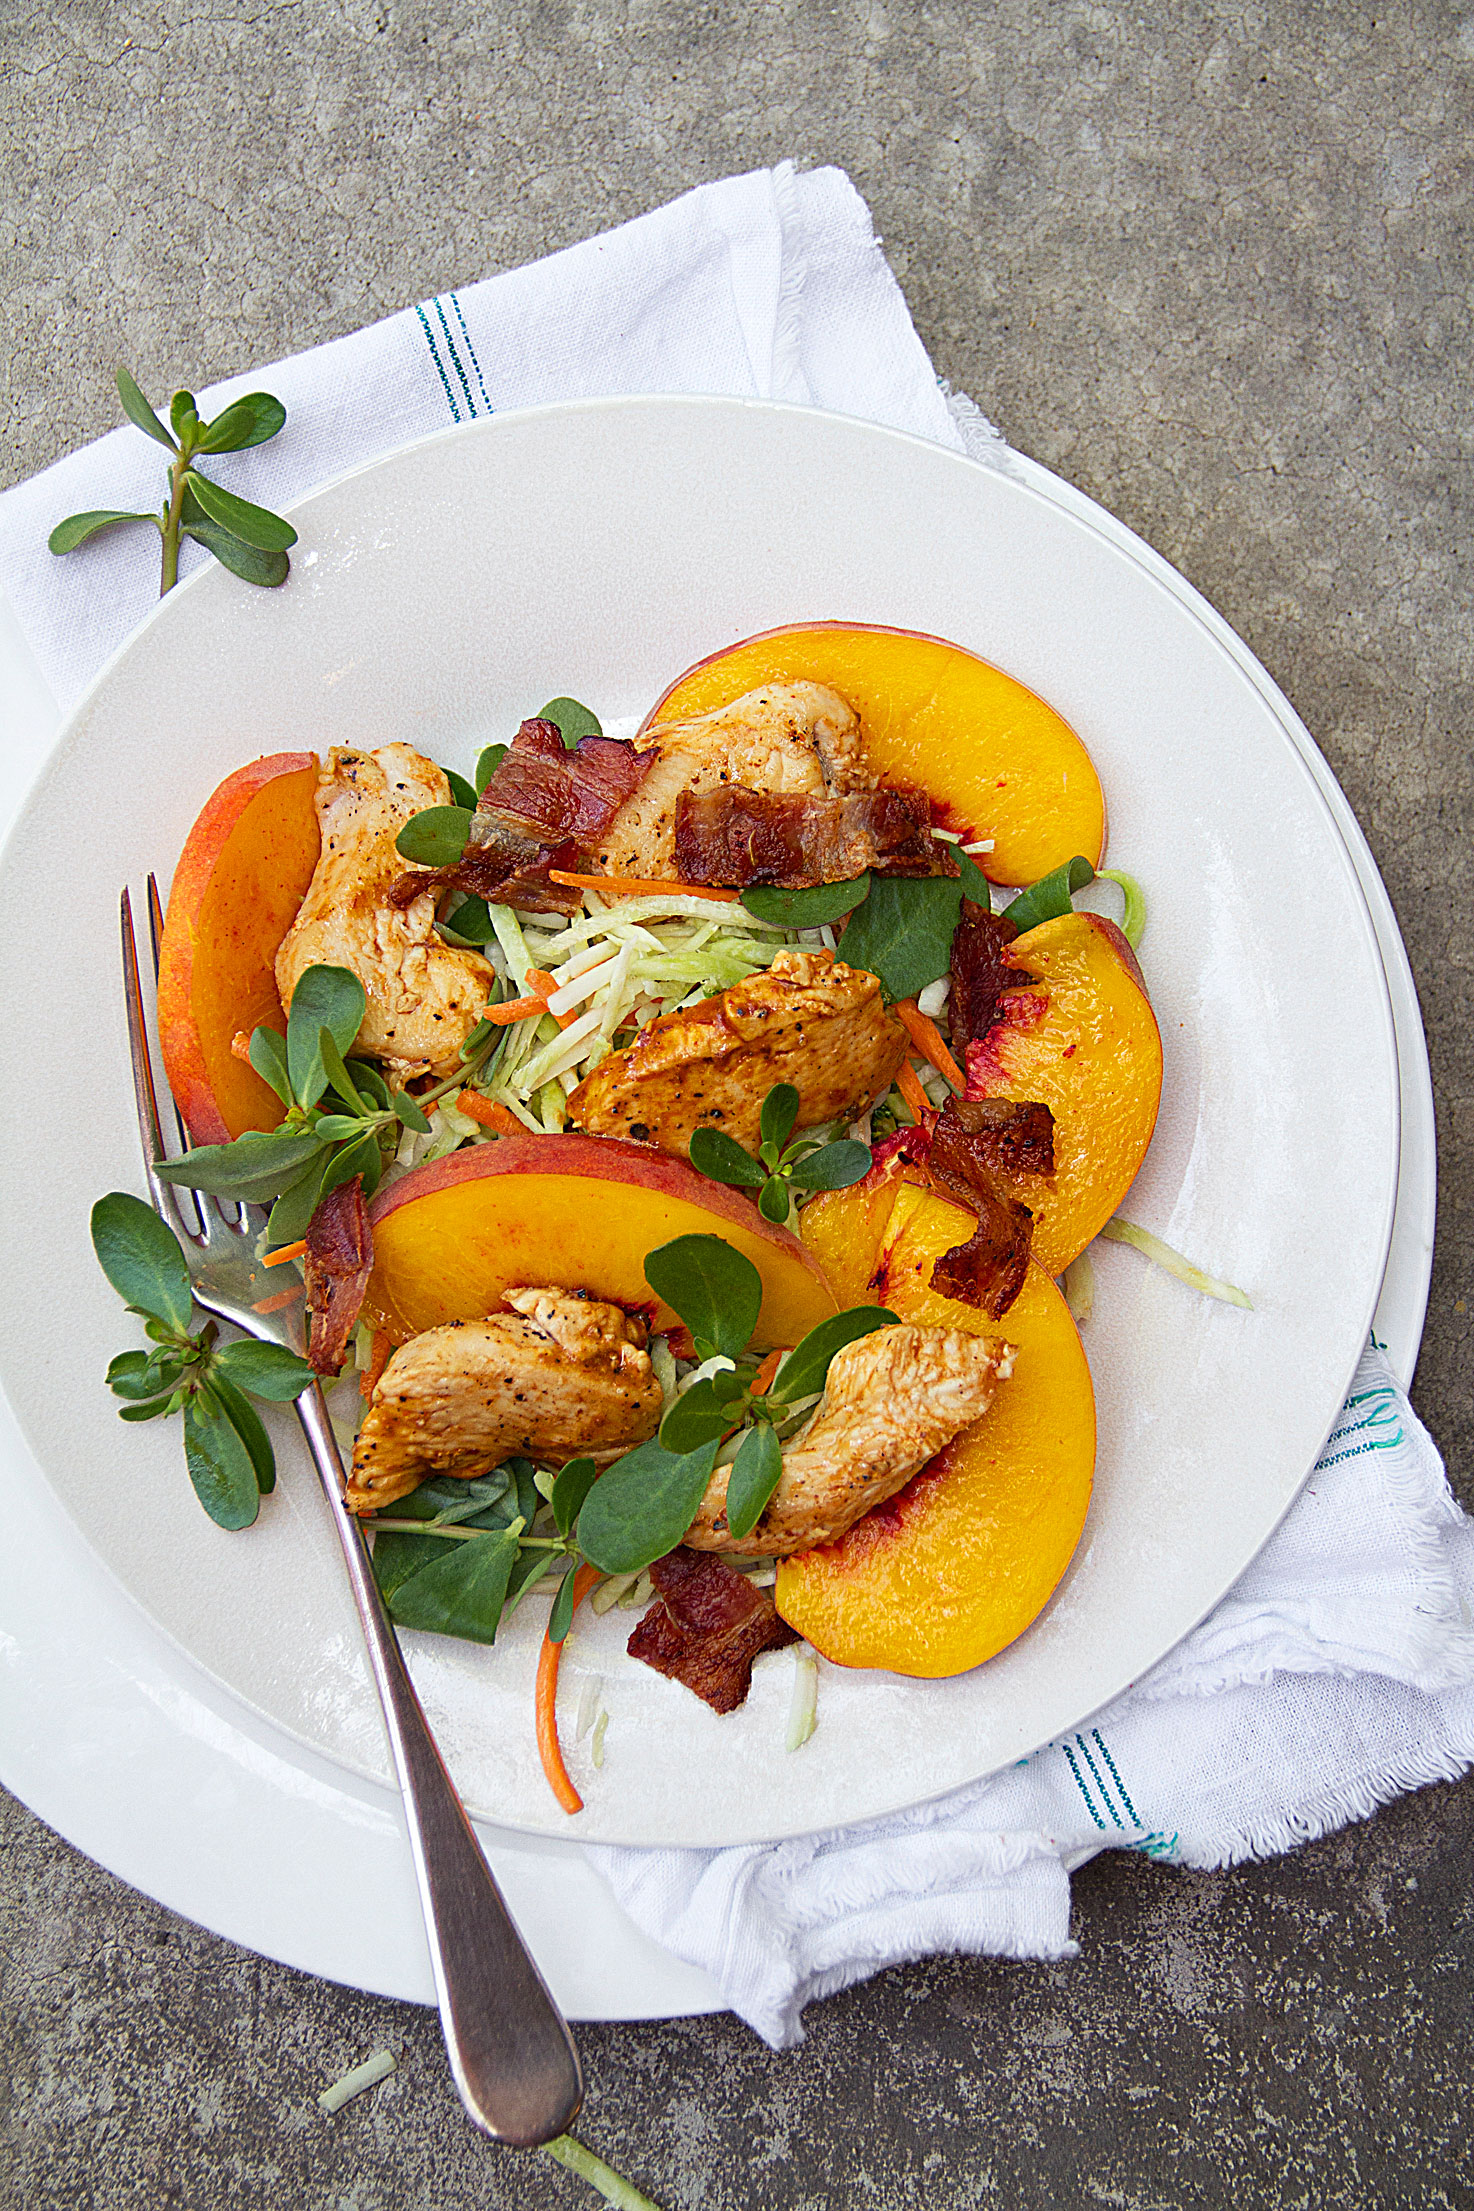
[
  {"x": 786, "y": 737},
  {"x": 894, "y": 1399},
  {"x": 559, "y": 1377},
  {"x": 424, "y": 997},
  {"x": 809, "y": 1020}
]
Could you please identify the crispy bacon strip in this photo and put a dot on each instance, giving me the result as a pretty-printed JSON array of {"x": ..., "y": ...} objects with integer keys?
[
  {"x": 338, "y": 1262},
  {"x": 706, "y": 1627},
  {"x": 976, "y": 1143},
  {"x": 736, "y": 836},
  {"x": 541, "y": 809},
  {"x": 980, "y": 974}
]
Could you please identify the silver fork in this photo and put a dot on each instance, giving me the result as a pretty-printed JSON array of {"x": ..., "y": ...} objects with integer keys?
[{"x": 510, "y": 2051}]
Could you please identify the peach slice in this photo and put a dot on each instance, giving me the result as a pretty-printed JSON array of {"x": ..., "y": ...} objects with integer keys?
[
  {"x": 566, "y": 1213},
  {"x": 1083, "y": 1039},
  {"x": 966, "y": 1556},
  {"x": 996, "y": 761},
  {"x": 241, "y": 877}
]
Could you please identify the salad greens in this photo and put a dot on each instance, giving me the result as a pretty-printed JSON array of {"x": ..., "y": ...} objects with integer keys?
[
  {"x": 226, "y": 1448},
  {"x": 341, "y": 1121},
  {"x": 249, "y": 540},
  {"x": 810, "y": 1164}
]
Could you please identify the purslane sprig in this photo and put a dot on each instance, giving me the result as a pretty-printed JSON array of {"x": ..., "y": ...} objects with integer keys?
[
  {"x": 340, "y": 1121},
  {"x": 249, "y": 540},
  {"x": 226, "y": 1448},
  {"x": 779, "y": 1168}
]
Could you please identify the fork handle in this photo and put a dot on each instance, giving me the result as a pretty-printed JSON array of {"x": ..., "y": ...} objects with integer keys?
[{"x": 510, "y": 2051}]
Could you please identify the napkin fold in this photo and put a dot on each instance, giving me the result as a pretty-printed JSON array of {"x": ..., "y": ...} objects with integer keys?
[
  {"x": 1338, "y": 1673},
  {"x": 1340, "y": 1669}
]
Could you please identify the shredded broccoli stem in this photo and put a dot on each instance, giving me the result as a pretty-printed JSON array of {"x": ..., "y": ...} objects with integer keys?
[
  {"x": 803, "y": 1705},
  {"x": 1079, "y": 1287},
  {"x": 612, "y": 2186},
  {"x": 1133, "y": 920},
  {"x": 1119, "y": 1231},
  {"x": 373, "y": 2069}
]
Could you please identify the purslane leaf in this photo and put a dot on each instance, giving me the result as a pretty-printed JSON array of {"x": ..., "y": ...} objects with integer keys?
[
  {"x": 721, "y": 1159},
  {"x": 138, "y": 410},
  {"x": 1050, "y": 898},
  {"x": 832, "y": 1166},
  {"x": 219, "y": 1462},
  {"x": 773, "y": 1200},
  {"x": 265, "y": 570},
  {"x": 573, "y": 718},
  {"x": 248, "y": 421},
  {"x": 779, "y": 1112},
  {"x": 491, "y": 759},
  {"x": 753, "y": 1479},
  {"x": 464, "y": 793},
  {"x": 329, "y": 998},
  {"x": 717, "y": 1292},
  {"x": 408, "y": 1113},
  {"x": 806, "y": 1368},
  {"x": 574, "y": 1482},
  {"x": 461, "y": 1593},
  {"x": 642, "y": 1507},
  {"x": 435, "y": 837},
  {"x": 471, "y": 923},
  {"x": 77, "y": 528},
  {"x": 246, "y": 1421},
  {"x": 339, "y": 1077},
  {"x": 269, "y": 1058},
  {"x": 254, "y": 525},
  {"x": 560, "y": 1619},
  {"x": 142, "y": 1259},
  {"x": 697, "y": 1415},
  {"x": 265, "y": 1369},
  {"x": 903, "y": 932},
  {"x": 256, "y": 1167},
  {"x": 183, "y": 415},
  {"x": 809, "y": 909}
]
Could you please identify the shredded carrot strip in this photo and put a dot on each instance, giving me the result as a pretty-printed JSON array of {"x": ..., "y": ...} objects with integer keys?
[
  {"x": 635, "y": 886},
  {"x": 275, "y": 1304},
  {"x": 544, "y": 984},
  {"x": 380, "y": 1352},
  {"x": 287, "y": 1251},
  {"x": 240, "y": 1046},
  {"x": 909, "y": 1085},
  {"x": 549, "y": 1749},
  {"x": 765, "y": 1373},
  {"x": 477, "y": 1108},
  {"x": 514, "y": 1009},
  {"x": 927, "y": 1038}
]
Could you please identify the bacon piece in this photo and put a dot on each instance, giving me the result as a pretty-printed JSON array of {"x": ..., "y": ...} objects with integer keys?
[
  {"x": 980, "y": 973},
  {"x": 706, "y": 1627},
  {"x": 736, "y": 836},
  {"x": 1005, "y": 1136},
  {"x": 975, "y": 1143},
  {"x": 543, "y": 807},
  {"x": 338, "y": 1262}
]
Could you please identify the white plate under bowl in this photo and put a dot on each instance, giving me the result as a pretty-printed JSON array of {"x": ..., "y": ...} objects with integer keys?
[{"x": 597, "y": 549}]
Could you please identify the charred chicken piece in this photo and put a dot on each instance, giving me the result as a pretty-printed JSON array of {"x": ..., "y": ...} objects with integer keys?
[
  {"x": 894, "y": 1399},
  {"x": 809, "y": 1020},
  {"x": 424, "y": 996},
  {"x": 558, "y": 1377}
]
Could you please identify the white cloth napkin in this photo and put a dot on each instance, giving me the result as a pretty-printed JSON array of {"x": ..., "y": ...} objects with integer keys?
[{"x": 1340, "y": 1670}]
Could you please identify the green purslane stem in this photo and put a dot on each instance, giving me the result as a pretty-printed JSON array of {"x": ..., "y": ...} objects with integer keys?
[
  {"x": 248, "y": 540},
  {"x": 1133, "y": 918}
]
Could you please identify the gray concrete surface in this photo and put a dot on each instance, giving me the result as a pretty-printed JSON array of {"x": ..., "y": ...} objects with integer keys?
[{"x": 1213, "y": 264}]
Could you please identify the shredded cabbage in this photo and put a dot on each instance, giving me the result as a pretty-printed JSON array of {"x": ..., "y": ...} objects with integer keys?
[{"x": 803, "y": 1705}]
